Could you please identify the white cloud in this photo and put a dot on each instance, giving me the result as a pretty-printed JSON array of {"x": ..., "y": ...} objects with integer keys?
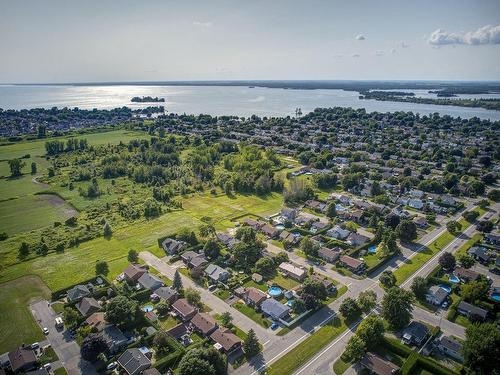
[
  {"x": 203, "y": 24},
  {"x": 355, "y": 55},
  {"x": 484, "y": 35},
  {"x": 360, "y": 37}
]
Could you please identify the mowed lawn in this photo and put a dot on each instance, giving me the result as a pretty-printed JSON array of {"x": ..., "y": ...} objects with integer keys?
[
  {"x": 17, "y": 325},
  {"x": 33, "y": 212}
]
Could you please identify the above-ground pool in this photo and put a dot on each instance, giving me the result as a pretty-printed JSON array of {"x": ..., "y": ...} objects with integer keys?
[
  {"x": 372, "y": 249},
  {"x": 274, "y": 291},
  {"x": 453, "y": 279},
  {"x": 495, "y": 297},
  {"x": 147, "y": 308},
  {"x": 280, "y": 227},
  {"x": 446, "y": 288}
]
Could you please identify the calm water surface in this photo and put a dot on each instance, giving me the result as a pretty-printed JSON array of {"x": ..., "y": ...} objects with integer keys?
[{"x": 214, "y": 100}]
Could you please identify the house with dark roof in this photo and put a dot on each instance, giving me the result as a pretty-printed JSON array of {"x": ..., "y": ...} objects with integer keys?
[
  {"x": 114, "y": 337},
  {"x": 178, "y": 331},
  {"x": 275, "y": 309},
  {"x": 338, "y": 233},
  {"x": 133, "y": 361},
  {"x": 203, "y": 324},
  {"x": 436, "y": 295},
  {"x": 286, "y": 236},
  {"x": 480, "y": 254},
  {"x": 193, "y": 259},
  {"x": 77, "y": 293},
  {"x": 151, "y": 282},
  {"x": 491, "y": 238},
  {"x": 22, "y": 359},
  {"x": 87, "y": 306},
  {"x": 256, "y": 225},
  {"x": 167, "y": 293},
  {"x": 472, "y": 312},
  {"x": 465, "y": 274},
  {"x": 415, "y": 334},
  {"x": 356, "y": 239},
  {"x": 270, "y": 231},
  {"x": 227, "y": 239},
  {"x": 216, "y": 273},
  {"x": 289, "y": 213},
  {"x": 450, "y": 347},
  {"x": 252, "y": 296},
  {"x": 377, "y": 365},
  {"x": 226, "y": 341},
  {"x": 133, "y": 272},
  {"x": 353, "y": 264},
  {"x": 184, "y": 309},
  {"x": 330, "y": 255},
  {"x": 172, "y": 246}
]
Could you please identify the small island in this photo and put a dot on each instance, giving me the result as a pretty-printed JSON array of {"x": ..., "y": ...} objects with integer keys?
[{"x": 147, "y": 99}]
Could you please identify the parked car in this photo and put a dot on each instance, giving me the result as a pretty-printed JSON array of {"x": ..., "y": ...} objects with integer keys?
[
  {"x": 111, "y": 366},
  {"x": 35, "y": 345},
  {"x": 47, "y": 366},
  {"x": 274, "y": 326},
  {"x": 45, "y": 331},
  {"x": 212, "y": 287}
]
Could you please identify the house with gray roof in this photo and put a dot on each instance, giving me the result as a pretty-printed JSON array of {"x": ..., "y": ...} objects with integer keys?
[
  {"x": 472, "y": 312},
  {"x": 216, "y": 273},
  {"x": 172, "y": 246},
  {"x": 114, "y": 337},
  {"x": 87, "y": 306},
  {"x": 436, "y": 295},
  {"x": 77, "y": 293},
  {"x": 451, "y": 347},
  {"x": 275, "y": 309},
  {"x": 149, "y": 281},
  {"x": 415, "y": 334},
  {"x": 166, "y": 293},
  {"x": 133, "y": 361}
]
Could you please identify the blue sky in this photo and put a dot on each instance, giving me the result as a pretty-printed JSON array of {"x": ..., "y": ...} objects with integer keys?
[{"x": 70, "y": 41}]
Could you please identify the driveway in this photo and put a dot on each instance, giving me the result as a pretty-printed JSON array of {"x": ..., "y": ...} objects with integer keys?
[{"x": 65, "y": 347}]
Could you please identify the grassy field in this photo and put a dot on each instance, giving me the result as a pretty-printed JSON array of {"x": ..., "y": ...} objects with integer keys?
[
  {"x": 304, "y": 351},
  {"x": 413, "y": 264},
  {"x": 17, "y": 325}
]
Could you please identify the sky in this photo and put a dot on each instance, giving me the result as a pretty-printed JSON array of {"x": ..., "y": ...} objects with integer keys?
[{"x": 106, "y": 40}]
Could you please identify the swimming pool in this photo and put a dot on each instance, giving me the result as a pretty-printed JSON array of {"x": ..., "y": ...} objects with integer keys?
[
  {"x": 453, "y": 279},
  {"x": 495, "y": 297},
  {"x": 290, "y": 302},
  {"x": 446, "y": 288},
  {"x": 147, "y": 308},
  {"x": 280, "y": 227},
  {"x": 372, "y": 249},
  {"x": 274, "y": 291}
]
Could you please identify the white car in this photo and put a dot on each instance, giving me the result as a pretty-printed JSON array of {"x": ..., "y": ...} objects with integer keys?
[
  {"x": 47, "y": 366},
  {"x": 111, "y": 366},
  {"x": 45, "y": 331},
  {"x": 35, "y": 345}
]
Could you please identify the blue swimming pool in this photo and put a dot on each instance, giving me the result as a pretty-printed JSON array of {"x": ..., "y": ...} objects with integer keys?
[
  {"x": 495, "y": 297},
  {"x": 372, "y": 249},
  {"x": 147, "y": 308},
  {"x": 274, "y": 291},
  {"x": 290, "y": 302},
  {"x": 280, "y": 227},
  {"x": 453, "y": 279},
  {"x": 446, "y": 288}
]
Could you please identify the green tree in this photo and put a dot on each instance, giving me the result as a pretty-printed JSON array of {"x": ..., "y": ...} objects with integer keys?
[
  {"x": 93, "y": 345},
  {"x": 132, "y": 256},
  {"x": 71, "y": 316},
  {"x": 193, "y": 297},
  {"x": 33, "y": 168},
  {"x": 206, "y": 361},
  {"x": 308, "y": 247},
  {"x": 453, "y": 226},
  {"x": 355, "y": 349},
  {"x": 474, "y": 290},
  {"x": 162, "y": 341},
  {"x": 367, "y": 300},
  {"x": 397, "y": 307},
  {"x": 466, "y": 261},
  {"x": 207, "y": 230},
  {"x": 177, "y": 282},
  {"x": 101, "y": 268},
  {"x": 470, "y": 216},
  {"x": 107, "y": 231},
  {"x": 387, "y": 279},
  {"x": 251, "y": 344},
  {"x": 331, "y": 210},
  {"x": 16, "y": 165},
  {"x": 121, "y": 311},
  {"x": 447, "y": 261},
  {"x": 226, "y": 319},
  {"x": 350, "y": 309},
  {"x": 24, "y": 251},
  {"x": 211, "y": 249},
  {"x": 419, "y": 287},
  {"x": 371, "y": 331},
  {"x": 162, "y": 308},
  {"x": 313, "y": 292},
  {"x": 481, "y": 349},
  {"x": 406, "y": 231},
  {"x": 265, "y": 266}
]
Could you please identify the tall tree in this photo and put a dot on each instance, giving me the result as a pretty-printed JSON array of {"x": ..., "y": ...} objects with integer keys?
[
  {"x": 367, "y": 300},
  {"x": 349, "y": 308},
  {"x": 406, "y": 231},
  {"x": 251, "y": 344},
  {"x": 16, "y": 165},
  {"x": 93, "y": 345},
  {"x": 397, "y": 307},
  {"x": 371, "y": 331},
  {"x": 481, "y": 349},
  {"x": 355, "y": 349},
  {"x": 177, "y": 282},
  {"x": 419, "y": 287},
  {"x": 387, "y": 279},
  {"x": 132, "y": 256},
  {"x": 33, "y": 168},
  {"x": 101, "y": 268},
  {"x": 447, "y": 261}
]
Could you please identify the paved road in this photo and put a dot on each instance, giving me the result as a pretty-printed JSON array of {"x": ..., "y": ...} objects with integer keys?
[
  {"x": 65, "y": 347},
  {"x": 214, "y": 302}
]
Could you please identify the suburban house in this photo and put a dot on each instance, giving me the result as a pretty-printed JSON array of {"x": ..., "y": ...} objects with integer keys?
[
  {"x": 286, "y": 236},
  {"x": 166, "y": 293},
  {"x": 377, "y": 365},
  {"x": 172, "y": 246},
  {"x": 330, "y": 255},
  {"x": 226, "y": 341},
  {"x": 338, "y": 233},
  {"x": 329, "y": 285},
  {"x": 472, "y": 312},
  {"x": 87, "y": 306},
  {"x": 465, "y": 274},
  {"x": 415, "y": 334},
  {"x": 227, "y": 239},
  {"x": 22, "y": 359},
  {"x": 491, "y": 238},
  {"x": 184, "y": 309},
  {"x": 480, "y": 254},
  {"x": 133, "y": 361},
  {"x": 97, "y": 320},
  {"x": 355, "y": 265},
  {"x": 252, "y": 296},
  {"x": 289, "y": 213},
  {"x": 149, "y": 281},
  {"x": 257, "y": 277},
  {"x": 178, "y": 331},
  {"x": 356, "y": 239},
  {"x": 216, "y": 273},
  {"x": 203, "y": 324},
  {"x": 275, "y": 309},
  {"x": 115, "y": 339},
  {"x": 193, "y": 259},
  {"x": 133, "y": 272},
  {"x": 270, "y": 231},
  {"x": 293, "y": 271},
  {"x": 256, "y": 225},
  {"x": 420, "y": 221},
  {"x": 416, "y": 204},
  {"x": 77, "y": 293},
  {"x": 436, "y": 295},
  {"x": 451, "y": 347},
  {"x": 317, "y": 226}
]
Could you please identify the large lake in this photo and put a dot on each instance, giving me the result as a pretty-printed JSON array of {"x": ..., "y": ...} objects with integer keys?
[{"x": 218, "y": 100}]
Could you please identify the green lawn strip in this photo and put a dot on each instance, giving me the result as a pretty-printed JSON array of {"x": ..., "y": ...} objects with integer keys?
[
  {"x": 466, "y": 246},
  {"x": 304, "y": 351},
  {"x": 420, "y": 258},
  {"x": 60, "y": 371},
  {"x": 261, "y": 286},
  {"x": 340, "y": 366},
  {"x": 58, "y": 307},
  {"x": 223, "y": 294},
  {"x": 284, "y": 282},
  {"x": 48, "y": 356},
  {"x": 167, "y": 322},
  {"x": 17, "y": 325},
  {"x": 252, "y": 314}
]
